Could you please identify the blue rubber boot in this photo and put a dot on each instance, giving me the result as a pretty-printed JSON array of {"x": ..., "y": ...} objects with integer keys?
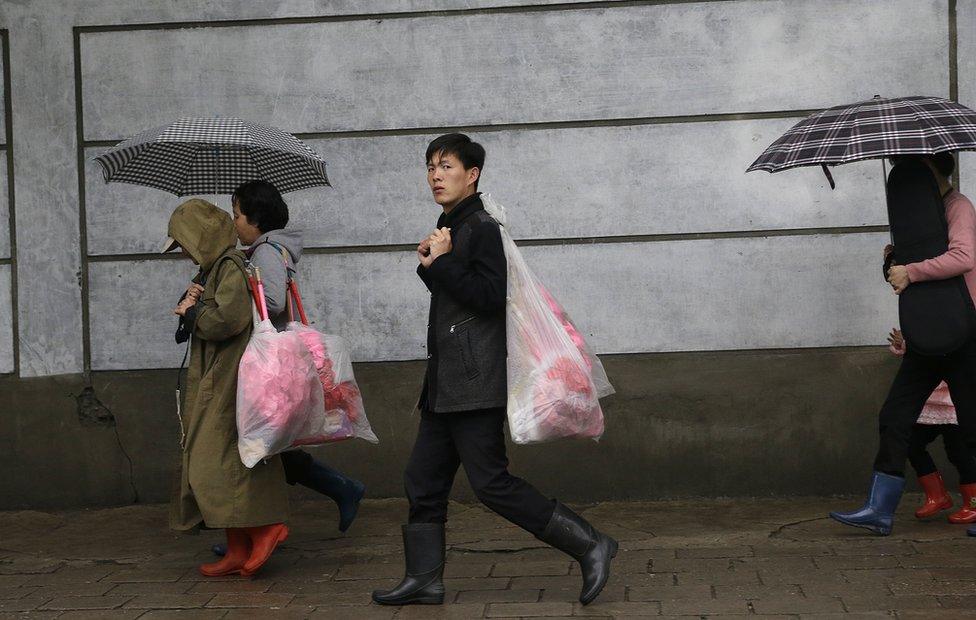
[
  {"x": 878, "y": 514},
  {"x": 346, "y": 492},
  {"x": 971, "y": 531},
  {"x": 304, "y": 470}
]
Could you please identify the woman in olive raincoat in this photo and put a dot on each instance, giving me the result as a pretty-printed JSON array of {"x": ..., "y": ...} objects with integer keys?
[{"x": 215, "y": 489}]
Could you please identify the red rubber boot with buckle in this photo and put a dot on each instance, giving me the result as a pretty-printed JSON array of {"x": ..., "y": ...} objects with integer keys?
[
  {"x": 966, "y": 514},
  {"x": 264, "y": 539},
  {"x": 936, "y": 498},
  {"x": 238, "y": 551}
]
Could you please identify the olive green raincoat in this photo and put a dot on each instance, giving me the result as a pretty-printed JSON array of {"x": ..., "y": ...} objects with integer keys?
[{"x": 214, "y": 488}]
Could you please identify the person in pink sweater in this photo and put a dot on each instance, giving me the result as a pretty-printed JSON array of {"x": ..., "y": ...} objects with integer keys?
[
  {"x": 938, "y": 417},
  {"x": 923, "y": 182}
]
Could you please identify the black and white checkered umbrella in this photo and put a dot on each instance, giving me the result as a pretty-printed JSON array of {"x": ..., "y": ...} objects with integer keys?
[
  {"x": 871, "y": 129},
  {"x": 213, "y": 156}
]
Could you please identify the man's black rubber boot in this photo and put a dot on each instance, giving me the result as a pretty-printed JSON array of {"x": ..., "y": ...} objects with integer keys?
[
  {"x": 423, "y": 550},
  {"x": 574, "y": 536}
]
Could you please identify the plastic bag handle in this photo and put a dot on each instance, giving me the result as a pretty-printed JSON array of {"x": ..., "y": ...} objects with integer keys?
[
  {"x": 257, "y": 291},
  {"x": 293, "y": 293},
  {"x": 289, "y": 305}
]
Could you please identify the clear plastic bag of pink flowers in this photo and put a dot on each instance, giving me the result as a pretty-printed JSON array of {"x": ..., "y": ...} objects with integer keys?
[
  {"x": 342, "y": 415},
  {"x": 554, "y": 382},
  {"x": 278, "y": 392}
]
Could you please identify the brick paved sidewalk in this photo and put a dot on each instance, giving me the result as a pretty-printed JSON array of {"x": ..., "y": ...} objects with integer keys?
[{"x": 712, "y": 559}]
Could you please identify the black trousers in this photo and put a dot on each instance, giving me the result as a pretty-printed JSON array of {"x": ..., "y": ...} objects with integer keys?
[
  {"x": 476, "y": 440},
  {"x": 916, "y": 378},
  {"x": 955, "y": 447}
]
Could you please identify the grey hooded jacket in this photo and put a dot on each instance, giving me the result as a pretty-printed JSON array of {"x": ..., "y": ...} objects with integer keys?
[{"x": 265, "y": 256}]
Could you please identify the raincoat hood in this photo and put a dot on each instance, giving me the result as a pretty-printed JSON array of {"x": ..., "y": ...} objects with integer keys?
[
  {"x": 204, "y": 230},
  {"x": 288, "y": 238}
]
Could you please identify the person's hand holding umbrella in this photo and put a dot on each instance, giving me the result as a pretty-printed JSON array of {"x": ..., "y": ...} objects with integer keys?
[
  {"x": 184, "y": 306},
  {"x": 189, "y": 299}
]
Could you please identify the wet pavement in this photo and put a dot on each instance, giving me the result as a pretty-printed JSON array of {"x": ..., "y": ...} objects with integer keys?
[{"x": 771, "y": 558}]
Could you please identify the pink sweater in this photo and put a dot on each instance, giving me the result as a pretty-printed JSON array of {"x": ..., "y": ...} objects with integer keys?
[{"x": 960, "y": 259}]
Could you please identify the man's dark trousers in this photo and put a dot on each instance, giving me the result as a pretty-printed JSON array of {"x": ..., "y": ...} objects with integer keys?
[
  {"x": 916, "y": 378},
  {"x": 476, "y": 440}
]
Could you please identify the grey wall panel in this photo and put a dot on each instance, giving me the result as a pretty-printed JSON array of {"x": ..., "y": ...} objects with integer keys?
[
  {"x": 966, "y": 35},
  {"x": 3, "y": 97},
  {"x": 966, "y": 29},
  {"x": 46, "y": 186},
  {"x": 375, "y": 300},
  {"x": 777, "y": 292},
  {"x": 131, "y": 309},
  {"x": 4, "y": 207},
  {"x": 628, "y": 61},
  {"x": 670, "y": 296},
  {"x": 967, "y": 175},
  {"x": 557, "y": 183},
  {"x": 6, "y": 321}
]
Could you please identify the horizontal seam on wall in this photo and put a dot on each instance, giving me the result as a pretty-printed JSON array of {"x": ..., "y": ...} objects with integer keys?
[
  {"x": 409, "y": 247},
  {"x": 774, "y": 351},
  {"x": 533, "y": 126},
  {"x": 6, "y": 261},
  {"x": 420, "y": 14}
]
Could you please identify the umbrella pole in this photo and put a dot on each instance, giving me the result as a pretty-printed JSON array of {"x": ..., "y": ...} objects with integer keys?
[{"x": 884, "y": 178}]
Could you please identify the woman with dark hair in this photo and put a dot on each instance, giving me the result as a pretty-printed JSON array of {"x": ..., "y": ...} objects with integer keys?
[{"x": 260, "y": 217}]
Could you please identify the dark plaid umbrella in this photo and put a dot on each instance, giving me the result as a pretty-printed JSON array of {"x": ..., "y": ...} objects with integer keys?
[
  {"x": 876, "y": 128},
  {"x": 213, "y": 156}
]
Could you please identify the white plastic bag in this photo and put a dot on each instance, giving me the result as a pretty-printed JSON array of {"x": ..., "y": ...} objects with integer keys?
[
  {"x": 278, "y": 391},
  {"x": 342, "y": 415},
  {"x": 554, "y": 382}
]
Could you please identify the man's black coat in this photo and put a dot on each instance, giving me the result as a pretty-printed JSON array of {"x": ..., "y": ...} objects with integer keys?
[{"x": 466, "y": 348}]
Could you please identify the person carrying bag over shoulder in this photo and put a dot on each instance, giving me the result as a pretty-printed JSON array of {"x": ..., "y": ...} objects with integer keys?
[
  {"x": 464, "y": 397},
  {"x": 260, "y": 217},
  {"x": 214, "y": 489}
]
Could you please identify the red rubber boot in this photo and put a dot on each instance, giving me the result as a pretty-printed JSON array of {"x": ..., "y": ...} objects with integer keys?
[
  {"x": 238, "y": 551},
  {"x": 264, "y": 539},
  {"x": 966, "y": 514},
  {"x": 936, "y": 498}
]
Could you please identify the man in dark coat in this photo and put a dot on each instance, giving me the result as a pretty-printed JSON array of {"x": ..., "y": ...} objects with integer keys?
[{"x": 462, "y": 404}]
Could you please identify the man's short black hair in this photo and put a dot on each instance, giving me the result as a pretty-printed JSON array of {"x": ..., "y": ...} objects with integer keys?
[
  {"x": 945, "y": 163},
  {"x": 262, "y": 204},
  {"x": 471, "y": 154}
]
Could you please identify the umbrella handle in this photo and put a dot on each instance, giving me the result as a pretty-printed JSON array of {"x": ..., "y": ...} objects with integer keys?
[
  {"x": 884, "y": 171},
  {"x": 830, "y": 177}
]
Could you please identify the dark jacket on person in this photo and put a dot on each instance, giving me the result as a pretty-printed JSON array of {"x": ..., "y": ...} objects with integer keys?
[{"x": 466, "y": 348}]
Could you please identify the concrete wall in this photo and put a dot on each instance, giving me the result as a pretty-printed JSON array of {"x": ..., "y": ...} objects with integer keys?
[
  {"x": 617, "y": 134},
  {"x": 739, "y": 423}
]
